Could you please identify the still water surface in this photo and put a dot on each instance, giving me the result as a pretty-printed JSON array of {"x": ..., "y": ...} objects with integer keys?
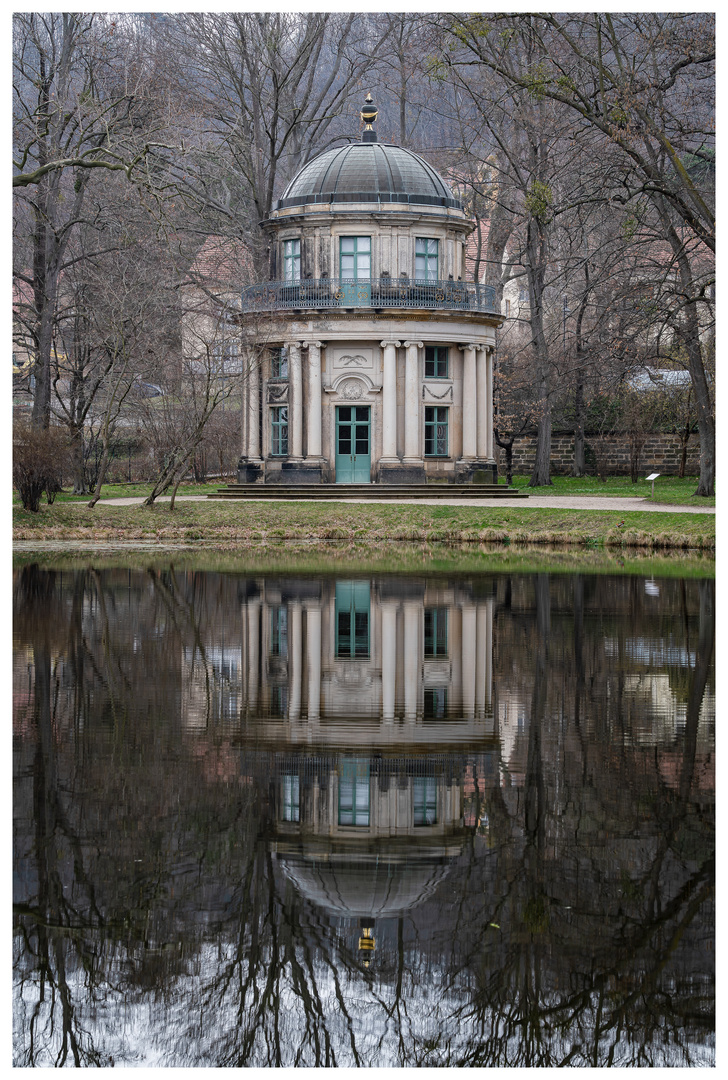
[{"x": 434, "y": 820}]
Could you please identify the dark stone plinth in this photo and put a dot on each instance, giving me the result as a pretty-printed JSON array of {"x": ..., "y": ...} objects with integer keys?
[
  {"x": 295, "y": 472},
  {"x": 475, "y": 472},
  {"x": 249, "y": 472},
  {"x": 402, "y": 474}
]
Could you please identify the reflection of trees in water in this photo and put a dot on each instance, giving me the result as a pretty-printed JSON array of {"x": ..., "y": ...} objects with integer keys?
[{"x": 572, "y": 929}]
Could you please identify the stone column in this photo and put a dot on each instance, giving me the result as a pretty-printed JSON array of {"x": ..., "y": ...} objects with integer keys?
[
  {"x": 253, "y": 653},
  {"x": 481, "y": 660},
  {"x": 295, "y": 658},
  {"x": 313, "y": 448},
  {"x": 389, "y": 400},
  {"x": 481, "y": 365},
  {"x": 490, "y": 450},
  {"x": 389, "y": 659},
  {"x": 412, "y": 404},
  {"x": 412, "y": 614},
  {"x": 489, "y": 652},
  {"x": 253, "y": 414},
  {"x": 295, "y": 401},
  {"x": 313, "y": 657},
  {"x": 469, "y": 402},
  {"x": 468, "y": 657}
]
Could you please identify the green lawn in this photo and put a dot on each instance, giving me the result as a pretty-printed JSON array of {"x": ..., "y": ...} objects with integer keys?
[
  {"x": 668, "y": 489},
  {"x": 228, "y": 525}
]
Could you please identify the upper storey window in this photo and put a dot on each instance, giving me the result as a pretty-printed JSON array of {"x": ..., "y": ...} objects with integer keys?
[
  {"x": 426, "y": 259},
  {"x": 292, "y": 260},
  {"x": 355, "y": 257}
]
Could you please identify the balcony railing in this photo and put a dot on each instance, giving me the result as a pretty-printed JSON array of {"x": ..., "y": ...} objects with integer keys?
[{"x": 377, "y": 293}]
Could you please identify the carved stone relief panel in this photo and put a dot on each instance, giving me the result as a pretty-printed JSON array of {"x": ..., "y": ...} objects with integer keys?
[
  {"x": 353, "y": 359},
  {"x": 437, "y": 392},
  {"x": 352, "y": 389},
  {"x": 277, "y": 393}
]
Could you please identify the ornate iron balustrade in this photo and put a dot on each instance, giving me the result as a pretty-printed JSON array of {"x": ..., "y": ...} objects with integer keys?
[{"x": 377, "y": 293}]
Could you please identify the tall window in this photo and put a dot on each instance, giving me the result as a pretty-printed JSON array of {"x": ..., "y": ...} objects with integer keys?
[
  {"x": 435, "y": 703},
  {"x": 279, "y": 631},
  {"x": 292, "y": 260},
  {"x": 435, "y": 632},
  {"x": 355, "y": 257},
  {"x": 279, "y": 431},
  {"x": 436, "y": 362},
  {"x": 279, "y": 363},
  {"x": 426, "y": 259},
  {"x": 290, "y": 798},
  {"x": 425, "y": 800},
  {"x": 436, "y": 431},
  {"x": 354, "y": 792}
]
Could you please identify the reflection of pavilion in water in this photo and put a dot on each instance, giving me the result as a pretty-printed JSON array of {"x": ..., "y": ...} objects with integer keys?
[
  {"x": 398, "y": 657},
  {"x": 367, "y": 701}
]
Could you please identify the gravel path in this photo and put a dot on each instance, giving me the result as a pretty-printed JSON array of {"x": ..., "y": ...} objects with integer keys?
[{"x": 555, "y": 502}]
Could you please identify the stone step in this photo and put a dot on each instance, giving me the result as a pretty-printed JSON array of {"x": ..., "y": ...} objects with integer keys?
[{"x": 367, "y": 491}]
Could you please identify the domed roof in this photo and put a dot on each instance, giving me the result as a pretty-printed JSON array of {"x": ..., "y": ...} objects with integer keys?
[
  {"x": 361, "y": 887},
  {"x": 368, "y": 172}
]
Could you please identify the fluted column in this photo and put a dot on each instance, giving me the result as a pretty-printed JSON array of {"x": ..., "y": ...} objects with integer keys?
[
  {"x": 412, "y": 615},
  {"x": 313, "y": 446},
  {"x": 254, "y": 414},
  {"x": 389, "y": 400},
  {"x": 481, "y": 378},
  {"x": 468, "y": 659},
  {"x": 313, "y": 658},
  {"x": 469, "y": 402},
  {"x": 412, "y": 403},
  {"x": 389, "y": 659},
  {"x": 295, "y": 400},
  {"x": 295, "y": 659}
]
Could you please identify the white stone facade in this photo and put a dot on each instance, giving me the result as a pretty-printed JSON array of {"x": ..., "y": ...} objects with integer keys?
[{"x": 367, "y": 307}]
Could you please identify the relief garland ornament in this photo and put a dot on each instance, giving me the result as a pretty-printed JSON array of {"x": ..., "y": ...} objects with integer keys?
[{"x": 438, "y": 397}]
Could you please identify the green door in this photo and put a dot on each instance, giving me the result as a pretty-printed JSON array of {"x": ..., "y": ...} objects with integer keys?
[
  {"x": 352, "y": 620},
  {"x": 353, "y": 444}
]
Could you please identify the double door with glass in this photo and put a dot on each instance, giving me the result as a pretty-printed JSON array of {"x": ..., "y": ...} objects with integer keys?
[{"x": 353, "y": 444}]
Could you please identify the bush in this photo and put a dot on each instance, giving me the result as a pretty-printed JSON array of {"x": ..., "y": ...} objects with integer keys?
[{"x": 39, "y": 461}]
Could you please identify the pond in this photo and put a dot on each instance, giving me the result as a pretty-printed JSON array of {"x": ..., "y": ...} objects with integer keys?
[{"x": 434, "y": 819}]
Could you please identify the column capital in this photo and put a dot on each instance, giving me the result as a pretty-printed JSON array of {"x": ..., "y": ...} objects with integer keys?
[
  {"x": 396, "y": 344},
  {"x": 419, "y": 344},
  {"x": 470, "y": 345},
  {"x": 316, "y": 344}
]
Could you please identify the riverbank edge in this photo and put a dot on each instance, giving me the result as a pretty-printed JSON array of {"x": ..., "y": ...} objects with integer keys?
[{"x": 224, "y": 527}]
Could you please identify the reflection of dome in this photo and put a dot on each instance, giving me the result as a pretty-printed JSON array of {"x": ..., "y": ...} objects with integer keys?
[
  {"x": 356, "y": 886},
  {"x": 368, "y": 172}
]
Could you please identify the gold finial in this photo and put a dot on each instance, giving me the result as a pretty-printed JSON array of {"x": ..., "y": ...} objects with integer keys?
[
  {"x": 367, "y": 943},
  {"x": 369, "y": 113}
]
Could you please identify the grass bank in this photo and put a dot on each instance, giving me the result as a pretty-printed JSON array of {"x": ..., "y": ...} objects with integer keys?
[
  {"x": 293, "y": 557},
  {"x": 228, "y": 525}
]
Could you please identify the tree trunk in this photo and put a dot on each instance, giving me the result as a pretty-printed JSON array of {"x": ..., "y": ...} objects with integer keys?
[
  {"x": 579, "y": 467},
  {"x": 688, "y": 330}
]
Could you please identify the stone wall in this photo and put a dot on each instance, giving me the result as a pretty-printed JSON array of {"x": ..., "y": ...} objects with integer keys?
[{"x": 660, "y": 453}]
